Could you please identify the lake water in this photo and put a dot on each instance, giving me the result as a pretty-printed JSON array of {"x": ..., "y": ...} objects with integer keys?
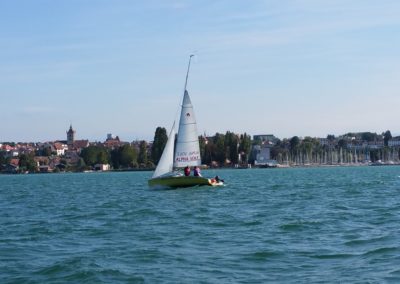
[{"x": 301, "y": 225}]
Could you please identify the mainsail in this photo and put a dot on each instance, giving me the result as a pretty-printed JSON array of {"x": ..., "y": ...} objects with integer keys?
[
  {"x": 165, "y": 165},
  {"x": 187, "y": 150}
]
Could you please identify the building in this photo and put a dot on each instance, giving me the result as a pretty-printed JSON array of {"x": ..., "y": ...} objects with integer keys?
[
  {"x": 112, "y": 142},
  {"x": 70, "y": 137},
  {"x": 394, "y": 142},
  {"x": 102, "y": 167},
  {"x": 263, "y": 155},
  {"x": 60, "y": 148}
]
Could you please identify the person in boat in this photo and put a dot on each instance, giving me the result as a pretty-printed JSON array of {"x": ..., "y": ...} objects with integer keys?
[
  {"x": 186, "y": 171},
  {"x": 217, "y": 179},
  {"x": 196, "y": 171}
]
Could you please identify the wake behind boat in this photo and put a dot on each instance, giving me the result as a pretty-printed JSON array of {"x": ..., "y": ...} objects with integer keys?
[{"x": 187, "y": 151}]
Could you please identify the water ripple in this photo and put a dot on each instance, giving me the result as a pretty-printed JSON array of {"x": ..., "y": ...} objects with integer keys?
[{"x": 313, "y": 225}]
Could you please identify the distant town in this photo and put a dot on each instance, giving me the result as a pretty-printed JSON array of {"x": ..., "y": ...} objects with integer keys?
[{"x": 220, "y": 150}]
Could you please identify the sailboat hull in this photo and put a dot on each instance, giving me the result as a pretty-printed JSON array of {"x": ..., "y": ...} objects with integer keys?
[{"x": 182, "y": 181}]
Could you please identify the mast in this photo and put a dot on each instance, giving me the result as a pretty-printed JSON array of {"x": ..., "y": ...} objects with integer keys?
[
  {"x": 187, "y": 150},
  {"x": 187, "y": 73}
]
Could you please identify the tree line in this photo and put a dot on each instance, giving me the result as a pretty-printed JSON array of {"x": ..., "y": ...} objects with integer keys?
[
  {"x": 229, "y": 149},
  {"x": 218, "y": 150}
]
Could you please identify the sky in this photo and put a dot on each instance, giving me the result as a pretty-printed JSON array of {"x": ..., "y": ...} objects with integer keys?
[{"x": 295, "y": 67}]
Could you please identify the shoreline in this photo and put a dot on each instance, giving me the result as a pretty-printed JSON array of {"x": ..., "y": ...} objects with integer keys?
[{"x": 278, "y": 166}]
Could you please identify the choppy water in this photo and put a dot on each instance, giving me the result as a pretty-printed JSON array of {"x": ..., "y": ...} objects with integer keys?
[{"x": 267, "y": 225}]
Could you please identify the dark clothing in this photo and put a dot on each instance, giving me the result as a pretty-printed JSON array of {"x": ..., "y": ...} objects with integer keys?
[
  {"x": 187, "y": 171},
  {"x": 196, "y": 172}
]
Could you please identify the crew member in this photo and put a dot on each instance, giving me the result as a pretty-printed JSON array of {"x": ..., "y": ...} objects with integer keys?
[
  {"x": 187, "y": 171},
  {"x": 196, "y": 171}
]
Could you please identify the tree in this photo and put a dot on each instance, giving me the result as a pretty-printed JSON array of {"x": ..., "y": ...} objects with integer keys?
[
  {"x": 127, "y": 156},
  {"x": 245, "y": 146},
  {"x": 81, "y": 165},
  {"x": 231, "y": 147},
  {"x": 209, "y": 152},
  {"x": 124, "y": 157},
  {"x": 46, "y": 151},
  {"x": 330, "y": 137},
  {"x": 95, "y": 155},
  {"x": 115, "y": 158},
  {"x": 27, "y": 163},
  {"x": 342, "y": 143},
  {"x": 368, "y": 136},
  {"x": 2, "y": 160},
  {"x": 142, "y": 158},
  {"x": 386, "y": 137},
  {"x": 89, "y": 155},
  {"x": 220, "y": 153},
  {"x": 160, "y": 139},
  {"x": 202, "y": 146},
  {"x": 294, "y": 143},
  {"x": 103, "y": 156}
]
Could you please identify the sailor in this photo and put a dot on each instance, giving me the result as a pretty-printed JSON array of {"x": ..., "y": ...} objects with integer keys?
[
  {"x": 217, "y": 179},
  {"x": 187, "y": 171},
  {"x": 196, "y": 171}
]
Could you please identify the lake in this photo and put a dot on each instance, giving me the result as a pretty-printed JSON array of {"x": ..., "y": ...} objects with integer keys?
[{"x": 292, "y": 225}]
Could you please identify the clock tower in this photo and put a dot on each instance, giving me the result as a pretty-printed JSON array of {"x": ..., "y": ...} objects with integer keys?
[{"x": 70, "y": 137}]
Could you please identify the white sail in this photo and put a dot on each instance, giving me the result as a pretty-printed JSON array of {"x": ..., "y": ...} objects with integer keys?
[
  {"x": 165, "y": 165},
  {"x": 187, "y": 150}
]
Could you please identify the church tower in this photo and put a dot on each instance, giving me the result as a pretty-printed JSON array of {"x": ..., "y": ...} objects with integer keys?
[{"x": 70, "y": 137}]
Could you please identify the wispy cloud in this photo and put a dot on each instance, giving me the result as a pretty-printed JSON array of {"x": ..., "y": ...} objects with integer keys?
[{"x": 299, "y": 21}]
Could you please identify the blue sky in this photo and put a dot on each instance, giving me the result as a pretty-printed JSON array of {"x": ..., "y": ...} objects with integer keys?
[{"x": 301, "y": 67}]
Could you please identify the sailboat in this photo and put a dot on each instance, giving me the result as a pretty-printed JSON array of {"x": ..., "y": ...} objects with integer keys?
[{"x": 186, "y": 152}]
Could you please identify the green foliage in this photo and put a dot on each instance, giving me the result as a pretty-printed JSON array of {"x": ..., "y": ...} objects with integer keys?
[
  {"x": 386, "y": 137},
  {"x": 2, "y": 160},
  {"x": 245, "y": 146},
  {"x": 103, "y": 157},
  {"x": 160, "y": 139},
  {"x": 46, "y": 151},
  {"x": 369, "y": 136},
  {"x": 294, "y": 143},
  {"x": 342, "y": 143},
  {"x": 231, "y": 147},
  {"x": 374, "y": 155},
  {"x": 142, "y": 157},
  {"x": 93, "y": 155},
  {"x": 209, "y": 152},
  {"x": 220, "y": 152},
  {"x": 330, "y": 137},
  {"x": 202, "y": 145},
  {"x": 27, "y": 163},
  {"x": 124, "y": 157},
  {"x": 81, "y": 165},
  {"x": 223, "y": 147},
  {"x": 150, "y": 165},
  {"x": 127, "y": 156}
]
